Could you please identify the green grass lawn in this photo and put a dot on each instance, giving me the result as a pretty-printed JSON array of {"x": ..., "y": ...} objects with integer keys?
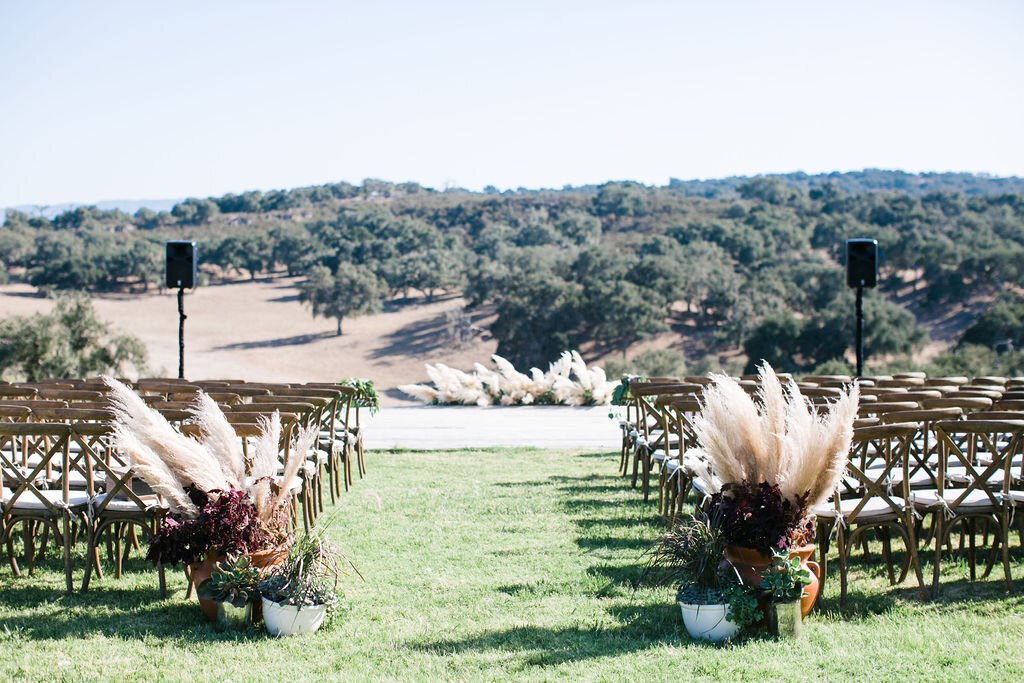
[{"x": 502, "y": 564}]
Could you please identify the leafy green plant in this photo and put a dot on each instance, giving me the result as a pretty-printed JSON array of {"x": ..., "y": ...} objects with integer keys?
[
  {"x": 784, "y": 579},
  {"x": 232, "y": 582},
  {"x": 742, "y": 601},
  {"x": 308, "y": 576},
  {"x": 691, "y": 557},
  {"x": 367, "y": 396}
]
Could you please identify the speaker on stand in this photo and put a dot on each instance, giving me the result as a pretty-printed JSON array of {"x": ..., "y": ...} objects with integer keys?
[
  {"x": 861, "y": 272},
  {"x": 182, "y": 271}
]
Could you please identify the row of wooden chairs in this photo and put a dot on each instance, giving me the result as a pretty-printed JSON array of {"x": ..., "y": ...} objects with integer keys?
[
  {"x": 61, "y": 476},
  {"x": 941, "y": 450}
]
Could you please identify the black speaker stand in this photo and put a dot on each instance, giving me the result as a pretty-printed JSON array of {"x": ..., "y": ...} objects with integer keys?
[
  {"x": 860, "y": 330},
  {"x": 181, "y": 332}
]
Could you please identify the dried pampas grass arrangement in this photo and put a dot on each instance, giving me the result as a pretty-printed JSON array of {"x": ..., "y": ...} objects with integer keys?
[
  {"x": 568, "y": 381},
  {"x": 172, "y": 463},
  {"x": 776, "y": 437}
]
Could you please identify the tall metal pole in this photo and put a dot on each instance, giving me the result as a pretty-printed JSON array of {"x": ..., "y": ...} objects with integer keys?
[
  {"x": 181, "y": 332},
  {"x": 860, "y": 330}
]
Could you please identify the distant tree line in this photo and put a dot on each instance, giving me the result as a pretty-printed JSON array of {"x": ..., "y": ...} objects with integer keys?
[{"x": 754, "y": 267}]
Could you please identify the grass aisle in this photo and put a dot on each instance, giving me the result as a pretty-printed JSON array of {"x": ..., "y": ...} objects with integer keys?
[{"x": 499, "y": 564}]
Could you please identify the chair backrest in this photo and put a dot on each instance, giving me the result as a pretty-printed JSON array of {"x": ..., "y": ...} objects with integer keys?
[
  {"x": 883, "y": 407},
  {"x": 887, "y": 444},
  {"x": 71, "y": 394},
  {"x": 984, "y": 450},
  {"x": 955, "y": 380},
  {"x": 10, "y": 391},
  {"x": 48, "y": 442},
  {"x": 964, "y": 403}
]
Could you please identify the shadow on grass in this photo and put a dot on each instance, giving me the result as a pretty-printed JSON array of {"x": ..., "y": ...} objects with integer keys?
[
  {"x": 639, "y": 627},
  {"x": 44, "y": 612}
]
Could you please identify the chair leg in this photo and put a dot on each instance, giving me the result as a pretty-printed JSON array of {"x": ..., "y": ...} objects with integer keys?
[
  {"x": 937, "y": 532},
  {"x": 67, "y": 551},
  {"x": 883, "y": 532},
  {"x": 11, "y": 558},
  {"x": 915, "y": 559},
  {"x": 843, "y": 545},
  {"x": 361, "y": 452},
  {"x": 29, "y": 531},
  {"x": 970, "y": 528},
  {"x": 89, "y": 564},
  {"x": 1004, "y": 532}
]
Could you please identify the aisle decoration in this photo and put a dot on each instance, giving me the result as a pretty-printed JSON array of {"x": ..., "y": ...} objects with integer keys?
[
  {"x": 768, "y": 462},
  {"x": 220, "y": 507},
  {"x": 765, "y": 462},
  {"x": 568, "y": 381}
]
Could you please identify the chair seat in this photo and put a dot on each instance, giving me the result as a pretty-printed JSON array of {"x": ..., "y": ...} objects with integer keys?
[
  {"x": 30, "y": 501},
  {"x": 874, "y": 510},
  {"x": 121, "y": 504},
  {"x": 975, "y": 501}
]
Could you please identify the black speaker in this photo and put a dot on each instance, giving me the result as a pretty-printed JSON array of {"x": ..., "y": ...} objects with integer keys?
[
  {"x": 182, "y": 262},
  {"x": 861, "y": 263}
]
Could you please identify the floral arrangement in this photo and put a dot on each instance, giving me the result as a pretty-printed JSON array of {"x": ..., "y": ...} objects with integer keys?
[
  {"x": 367, "y": 396},
  {"x": 218, "y": 502},
  {"x": 568, "y": 381},
  {"x": 768, "y": 462}
]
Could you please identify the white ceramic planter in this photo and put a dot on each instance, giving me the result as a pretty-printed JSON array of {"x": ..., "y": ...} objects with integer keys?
[
  {"x": 289, "y": 620},
  {"x": 708, "y": 622}
]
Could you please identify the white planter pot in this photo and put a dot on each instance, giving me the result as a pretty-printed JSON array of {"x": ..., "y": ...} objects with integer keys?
[
  {"x": 289, "y": 620},
  {"x": 708, "y": 622}
]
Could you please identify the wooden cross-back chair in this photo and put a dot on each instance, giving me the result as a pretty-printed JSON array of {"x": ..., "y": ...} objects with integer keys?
[
  {"x": 26, "y": 502},
  {"x": 923, "y": 449},
  {"x": 292, "y": 417},
  {"x": 121, "y": 503},
  {"x": 676, "y": 476},
  {"x": 867, "y": 500},
  {"x": 652, "y": 444},
  {"x": 984, "y": 492}
]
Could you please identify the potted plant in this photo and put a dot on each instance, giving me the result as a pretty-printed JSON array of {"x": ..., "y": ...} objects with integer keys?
[
  {"x": 769, "y": 461},
  {"x": 234, "y": 587},
  {"x": 714, "y": 602},
  {"x": 300, "y": 592},
  {"x": 221, "y": 506},
  {"x": 784, "y": 583}
]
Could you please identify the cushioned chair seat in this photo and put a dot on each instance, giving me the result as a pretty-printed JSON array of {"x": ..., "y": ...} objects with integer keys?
[
  {"x": 875, "y": 509},
  {"x": 121, "y": 504},
  {"x": 928, "y": 499},
  {"x": 30, "y": 501}
]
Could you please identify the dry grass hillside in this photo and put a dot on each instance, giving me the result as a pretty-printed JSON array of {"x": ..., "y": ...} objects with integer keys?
[{"x": 260, "y": 331}]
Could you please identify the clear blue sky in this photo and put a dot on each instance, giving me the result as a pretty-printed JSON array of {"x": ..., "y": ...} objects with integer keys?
[{"x": 130, "y": 100}]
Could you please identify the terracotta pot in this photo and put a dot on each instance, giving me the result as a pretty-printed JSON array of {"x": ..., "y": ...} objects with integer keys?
[
  {"x": 751, "y": 563},
  {"x": 804, "y": 552},
  {"x": 201, "y": 571}
]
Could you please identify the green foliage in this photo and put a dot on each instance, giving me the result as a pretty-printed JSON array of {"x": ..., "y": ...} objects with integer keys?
[
  {"x": 608, "y": 265},
  {"x": 350, "y": 291},
  {"x": 233, "y": 582},
  {"x": 974, "y": 360},
  {"x": 367, "y": 396},
  {"x": 308, "y": 576},
  {"x": 784, "y": 579},
  {"x": 70, "y": 341},
  {"x": 650, "y": 363},
  {"x": 1002, "y": 324}
]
